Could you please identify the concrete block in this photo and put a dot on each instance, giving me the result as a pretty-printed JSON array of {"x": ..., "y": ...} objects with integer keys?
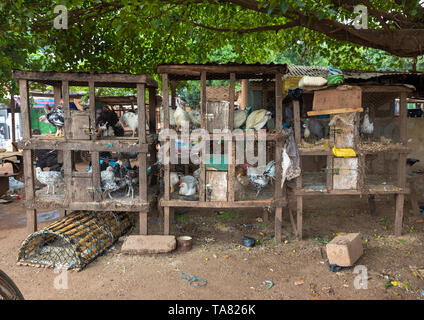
[
  {"x": 142, "y": 244},
  {"x": 345, "y": 249}
]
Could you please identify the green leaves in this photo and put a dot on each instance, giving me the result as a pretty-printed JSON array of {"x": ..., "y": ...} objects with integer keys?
[{"x": 284, "y": 6}]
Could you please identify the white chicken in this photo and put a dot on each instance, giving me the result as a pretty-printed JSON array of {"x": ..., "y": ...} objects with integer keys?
[
  {"x": 174, "y": 179},
  {"x": 131, "y": 120},
  {"x": 367, "y": 127},
  {"x": 181, "y": 117},
  {"x": 108, "y": 181},
  {"x": 188, "y": 186},
  {"x": 257, "y": 119},
  {"x": 260, "y": 176},
  {"x": 50, "y": 178},
  {"x": 240, "y": 117}
]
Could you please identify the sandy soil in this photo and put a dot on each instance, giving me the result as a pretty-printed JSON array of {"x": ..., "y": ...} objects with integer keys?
[{"x": 298, "y": 269}]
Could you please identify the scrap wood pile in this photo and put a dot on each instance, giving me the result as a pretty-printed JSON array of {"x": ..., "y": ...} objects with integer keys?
[{"x": 75, "y": 240}]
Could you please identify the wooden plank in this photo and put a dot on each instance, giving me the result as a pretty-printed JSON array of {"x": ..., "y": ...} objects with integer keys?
[
  {"x": 278, "y": 223},
  {"x": 174, "y": 94},
  {"x": 95, "y": 156},
  {"x": 67, "y": 167},
  {"x": 401, "y": 170},
  {"x": 152, "y": 109},
  {"x": 329, "y": 175},
  {"x": 141, "y": 107},
  {"x": 83, "y": 78},
  {"x": 365, "y": 191},
  {"x": 334, "y": 111},
  {"x": 143, "y": 222},
  {"x": 299, "y": 213},
  {"x": 399, "y": 214},
  {"x": 220, "y": 204},
  {"x": 292, "y": 221},
  {"x": 226, "y": 69},
  {"x": 98, "y": 146},
  {"x": 278, "y": 103},
  {"x": 336, "y": 98},
  {"x": 57, "y": 94}
]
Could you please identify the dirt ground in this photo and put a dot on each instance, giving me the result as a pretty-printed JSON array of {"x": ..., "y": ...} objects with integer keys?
[{"x": 297, "y": 269}]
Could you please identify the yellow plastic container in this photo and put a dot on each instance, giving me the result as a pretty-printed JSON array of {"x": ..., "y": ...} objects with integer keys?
[{"x": 342, "y": 152}]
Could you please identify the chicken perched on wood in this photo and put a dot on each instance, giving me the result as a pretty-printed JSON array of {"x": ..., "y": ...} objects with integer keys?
[
  {"x": 181, "y": 117},
  {"x": 367, "y": 127},
  {"x": 258, "y": 119},
  {"x": 131, "y": 120},
  {"x": 47, "y": 158},
  {"x": 50, "y": 178},
  {"x": 55, "y": 118},
  {"x": 315, "y": 129},
  {"x": 188, "y": 186},
  {"x": 108, "y": 180},
  {"x": 240, "y": 117}
]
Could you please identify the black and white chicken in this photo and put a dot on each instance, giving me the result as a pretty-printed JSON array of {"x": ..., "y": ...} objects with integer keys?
[
  {"x": 260, "y": 176},
  {"x": 55, "y": 118},
  {"x": 50, "y": 178}
]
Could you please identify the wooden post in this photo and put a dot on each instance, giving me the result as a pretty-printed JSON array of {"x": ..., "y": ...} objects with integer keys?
[
  {"x": 141, "y": 103},
  {"x": 152, "y": 109},
  {"x": 27, "y": 157},
  {"x": 143, "y": 222},
  {"x": 399, "y": 214},
  {"x": 371, "y": 203},
  {"x": 202, "y": 183},
  {"x": 173, "y": 93},
  {"x": 95, "y": 156},
  {"x": 165, "y": 105},
  {"x": 12, "y": 110},
  {"x": 166, "y": 220},
  {"x": 278, "y": 223},
  {"x": 299, "y": 228},
  {"x": 413, "y": 198},
  {"x": 244, "y": 92},
  {"x": 231, "y": 145},
  {"x": 67, "y": 154}
]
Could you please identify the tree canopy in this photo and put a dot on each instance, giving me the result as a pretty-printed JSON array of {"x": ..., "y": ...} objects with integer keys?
[{"x": 136, "y": 35}]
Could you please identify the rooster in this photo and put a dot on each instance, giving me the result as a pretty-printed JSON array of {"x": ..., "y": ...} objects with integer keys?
[
  {"x": 50, "y": 178},
  {"x": 108, "y": 181},
  {"x": 55, "y": 118},
  {"x": 181, "y": 117},
  {"x": 258, "y": 119}
]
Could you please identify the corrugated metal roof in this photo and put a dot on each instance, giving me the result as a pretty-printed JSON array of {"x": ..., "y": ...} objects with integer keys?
[{"x": 300, "y": 71}]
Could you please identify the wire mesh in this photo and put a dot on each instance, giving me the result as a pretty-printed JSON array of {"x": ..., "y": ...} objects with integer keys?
[{"x": 75, "y": 240}]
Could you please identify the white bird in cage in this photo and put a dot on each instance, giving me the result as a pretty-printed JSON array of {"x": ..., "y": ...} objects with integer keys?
[
  {"x": 108, "y": 181},
  {"x": 50, "y": 178}
]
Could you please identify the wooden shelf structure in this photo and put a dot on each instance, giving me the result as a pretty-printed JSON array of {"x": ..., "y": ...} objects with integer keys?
[
  {"x": 77, "y": 185},
  {"x": 233, "y": 72},
  {"x": 399, "y": 189}
]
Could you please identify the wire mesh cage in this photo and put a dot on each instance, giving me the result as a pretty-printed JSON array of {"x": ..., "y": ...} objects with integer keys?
[{"x": 75, "y": 240}]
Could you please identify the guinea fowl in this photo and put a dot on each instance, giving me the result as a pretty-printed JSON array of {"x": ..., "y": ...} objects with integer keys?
[
  {"x": 55, "y": 118},
  {"x": 260, "y": 176},
  {"x": 195, "y": 117},
  {"x": 315, "y": 127},
  {"x": 50, "y": 178},
  {"x": 258, "y": 119},
  {"x": 367, "y": 127}
]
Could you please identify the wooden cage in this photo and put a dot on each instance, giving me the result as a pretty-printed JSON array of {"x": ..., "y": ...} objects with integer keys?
[
  {"x": 333, "y": 182},
  {"x": 224, "y": 195},
  {"x": 81, "y": 188}
]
